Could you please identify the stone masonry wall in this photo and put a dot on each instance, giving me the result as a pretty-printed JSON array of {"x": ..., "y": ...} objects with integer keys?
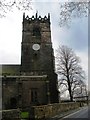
[
  {"x": 40, "y": 112},
  {"x": 13, "y": 114},
  {"x": 47, "y": 111}
]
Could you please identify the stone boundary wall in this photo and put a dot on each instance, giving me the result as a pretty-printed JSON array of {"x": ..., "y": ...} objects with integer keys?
[
  {"x": 13, "y": 114},
  {"x": 47, "y": 111},
  {"x": 41, "y": 112}
]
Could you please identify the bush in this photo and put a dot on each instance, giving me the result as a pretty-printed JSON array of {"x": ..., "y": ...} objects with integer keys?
[{"x": 24, "y": 115}]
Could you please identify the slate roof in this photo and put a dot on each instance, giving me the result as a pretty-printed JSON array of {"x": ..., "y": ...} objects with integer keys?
[{"x": 9, "y": 69}]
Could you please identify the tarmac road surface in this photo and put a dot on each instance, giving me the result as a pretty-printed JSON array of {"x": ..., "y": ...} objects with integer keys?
[{"x": 83, "y": 113}]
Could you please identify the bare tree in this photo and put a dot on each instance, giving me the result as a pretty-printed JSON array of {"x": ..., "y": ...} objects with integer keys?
[
  {"x": 73, "y": 9},
  {"x": 80, "y": 93},
  {"x": 7, "y": 5},
  {"x": 69, "y": 70}
]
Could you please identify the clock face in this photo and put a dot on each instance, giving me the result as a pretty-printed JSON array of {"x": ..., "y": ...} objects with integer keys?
[{"x": 36, "y": 47}]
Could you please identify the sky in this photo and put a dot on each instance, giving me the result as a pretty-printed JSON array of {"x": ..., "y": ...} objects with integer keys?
[{"x": 75, "y": 37}]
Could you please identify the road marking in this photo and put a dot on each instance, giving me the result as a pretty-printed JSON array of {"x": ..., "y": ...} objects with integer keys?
[
  {"x": 75, "y": 112},
  {"x": 57, "y": 116}
]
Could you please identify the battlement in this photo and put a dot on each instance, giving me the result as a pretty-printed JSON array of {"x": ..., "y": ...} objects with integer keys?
[{"x": 36, "y": 18}]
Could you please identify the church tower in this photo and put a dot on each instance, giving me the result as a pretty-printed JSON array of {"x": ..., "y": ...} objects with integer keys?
[
  {"x": 37, "y": 61},
  {"x": 37, "y": 53}
]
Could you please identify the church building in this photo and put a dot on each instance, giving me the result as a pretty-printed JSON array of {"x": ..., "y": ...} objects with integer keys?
[{"x": 34, "y": 81}]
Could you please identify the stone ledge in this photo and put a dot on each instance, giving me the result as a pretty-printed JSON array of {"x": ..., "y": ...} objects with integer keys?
[{"x": 13, "y": 114}]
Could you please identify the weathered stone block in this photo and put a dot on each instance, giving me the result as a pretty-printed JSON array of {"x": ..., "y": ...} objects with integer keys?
[{"x": 13, "y": 114}]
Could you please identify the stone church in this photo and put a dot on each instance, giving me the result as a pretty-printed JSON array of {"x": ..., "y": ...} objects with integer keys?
[{"x": 34, "y": 81}]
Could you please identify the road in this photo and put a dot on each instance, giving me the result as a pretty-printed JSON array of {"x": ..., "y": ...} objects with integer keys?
[{"x": 82, "y": 113}]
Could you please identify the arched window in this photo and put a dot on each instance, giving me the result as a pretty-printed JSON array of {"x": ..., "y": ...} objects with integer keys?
[
  {"x": 36, "y": 31},
  {"x": 13, "y": 103}
]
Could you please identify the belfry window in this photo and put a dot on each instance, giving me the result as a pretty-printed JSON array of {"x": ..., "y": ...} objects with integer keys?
[{"x": 36, "y": 31}]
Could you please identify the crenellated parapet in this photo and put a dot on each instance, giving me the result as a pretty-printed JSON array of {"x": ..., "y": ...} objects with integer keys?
[{"x": 36, "y": 18}]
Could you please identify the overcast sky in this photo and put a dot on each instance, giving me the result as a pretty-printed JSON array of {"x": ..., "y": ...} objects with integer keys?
[{"x": 76, "y": 37}]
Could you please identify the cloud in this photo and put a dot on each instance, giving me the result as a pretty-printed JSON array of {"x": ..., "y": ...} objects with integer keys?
[
  {"x": 76, "y": 36},
  {"x": 84, "y": 59},
  {"x": 10, "y": 38},
  {"x": 9, "y": 57},
  {"x": 43, "y": 1}
]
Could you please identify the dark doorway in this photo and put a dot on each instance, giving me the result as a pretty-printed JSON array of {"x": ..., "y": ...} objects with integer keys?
[{"x": 13, "y": 103}]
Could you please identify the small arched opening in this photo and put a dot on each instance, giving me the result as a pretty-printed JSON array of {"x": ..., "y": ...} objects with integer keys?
[
  {"x": 36, "y": 31},
  {"x": 13, "y": 103}
]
